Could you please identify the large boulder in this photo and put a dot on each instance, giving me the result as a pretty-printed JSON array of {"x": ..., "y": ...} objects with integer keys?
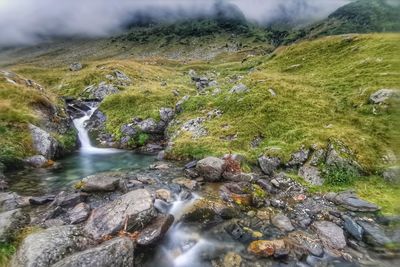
[
  {"x": 115, "y": 252},
  {"x": 156, "y": 230},
  {"x": 10, "y": 222},
  {"x": 167, "y": 114},
  {"x": 103, "y": 182},
  {"x": 269, "y": 164},
  {"x": 330, "y": 234},
  {"x": 134, "y": 209},
  {"x": 43, "y": 142},
  {"x": 350, "y": 201},
  {"x": 211, "y": 168},
  {"x": 382, "y": 96},
  {"x": 47, "y": 247}
]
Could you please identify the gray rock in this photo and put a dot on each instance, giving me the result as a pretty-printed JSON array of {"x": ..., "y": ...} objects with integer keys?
[
  {"x": 10, "y": 201},
  {"x": 76, "y": 66},
  {"x": 122, "y": 78},
  {"x": 47, "y": 247},
  {"x": 101, "y": 91},
  {"x": 116, "y": 252},
  {"x": 135, "y": 209},
  {"x": 311, "y": 174},
  {"x": 195, "y": 127},
  {"x": 352, "y": 228},
  {"x": 269, "y": 164},
  {"x": 382, "y": 96},
  {"x": 64, "y": 199},
  {"x": 167, "y": 114},
  {"x": 350, "y": 201},
  {"x": 340, "y": 156},
  {"x": 374, "y": 234},
  {"x": 211, "y": 168},
  {"x": 330, "y": 234},
  {"x": 79, "y": 213},
  {"x": 161, "y": 155},
  {"x": 240, "y": 88},
  {"x": 299, "y": 158},
  {"x": 148, "y": 126},
  {"x": 43, "y": 142},
  {"x": 41, "y": 200},
  {"x": 193, "y": 75},
  {"x": 304, "y": 243},
  {"x": 156, "y": 230},
  {"x": 178, "y": 106},
  {"x": 10, "y": 222},
  {"x": 128, "y": 130},
  {"x": 392, "y": 174},
  {"x": 37, "y": 161},
  {"x": 104, "y": 182},
  {"x": 282, "y": 222}
]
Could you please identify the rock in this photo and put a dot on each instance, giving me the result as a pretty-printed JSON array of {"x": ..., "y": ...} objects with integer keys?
[
  {"x": 269, "y": 164},
  {"x": 299, "y": 158},
  {"x": 37, "y": 161},
  {"x": 101, "y": 91},
  {"x": 41, "y": 200},
  {"x": 374, "y": 234},
  {"x": 53, "y": 222},
  {"x": 392, "y": 174},
  {"x": 338, "y": 155},
  {"x": 64, "y": 199},
  {"x": 167, "y": 114},
  {"x": 311, "y": 174},
  {"x": 164, "y": 194},
  {"x": 115, "y": 252},
  {"x": 189, "y": 184},
  {"x": 211, "y": 168},
  {"x": 195, "y": 127},
  {"x": 76, "y": 66},
  {"x": 382, "y": 96},
  {"x": 193, "y": 75},
  {"x": 103, "y": 182},
  {"x": 10, "y": 201},
  {"x": 10, "y": 222},
  {"x": 79, "y": 213},
  {"x": 352, "y": 228},
  {"x": 330, "y": 234},
  {"x": 151, "y": 148},
  {"x": 191, "y": 164},
  {"x": 43, "y": 142},
  {"x": 350, "y": 201},
  {"x": 148, "y": 126},
  {"x": 232, "y": 259},
  {"x": 240, "y": 88},
  {"x": 282, "y": 222},
  {"x": 272, "y": 92},
  {"x": 122, "y": 78},
  {"x": 178, "y": 105},
  {"x": 303, "y": 243},
  {"x": 267, "y": 248},
  {"x": 153, "y": 233},
  {"x": 161, "y": 155},
  {"x": 204, "y": 210},
  {"x": 47, "y": 247},
  {"x": 135, "y": 209}
]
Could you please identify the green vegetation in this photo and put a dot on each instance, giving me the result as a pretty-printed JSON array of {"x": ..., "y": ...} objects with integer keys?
[{"x": 6, "y": 252}]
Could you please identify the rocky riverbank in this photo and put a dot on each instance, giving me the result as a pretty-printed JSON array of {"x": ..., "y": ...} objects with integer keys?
[{"x": 248, "y": 219}]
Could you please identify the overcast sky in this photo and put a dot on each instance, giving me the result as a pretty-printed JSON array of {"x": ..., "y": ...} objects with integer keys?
[{"x": 27, "y": 21}]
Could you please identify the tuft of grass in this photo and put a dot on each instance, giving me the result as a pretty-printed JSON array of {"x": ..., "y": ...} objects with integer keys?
[{"x": 339, "y": 176}]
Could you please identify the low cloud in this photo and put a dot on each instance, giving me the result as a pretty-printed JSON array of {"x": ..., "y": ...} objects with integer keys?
[{"x": 30, "y": 21}]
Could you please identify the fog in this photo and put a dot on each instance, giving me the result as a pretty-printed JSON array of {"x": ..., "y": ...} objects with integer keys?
[{"x": 30, "y": 21}]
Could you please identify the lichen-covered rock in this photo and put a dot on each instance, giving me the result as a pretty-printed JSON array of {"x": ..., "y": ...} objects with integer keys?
[
  {"x": 47, "y": 247},
  {"x": 79, "y": 213},
  {"x": 43, "y": 142},
  {"x": 64, "y": 199},
  {"x": 167, "y": 114},
  {"x": 303, "y": 243},
  {"x": 299, "y": 158},
  {"x": 374, "y": 234},
  {"x": 211, "y": 168},
  {"x": 101, "y": 91},
  {"x": 240, "y": 88},
  {"x": 268, "y": 248},
  {"x": 353, "y": 228},
  {"x": 269, "y": 164},
  {"x": 381, "y": 96},
  {"x": 154, "y": 232},
  {"x": 10, "y": 201},
  {"x": 134, "y": 209},
  {"x": 149, "y": 126},
  {"x": 392, "y": 174},
  {"x": 115, "y": 252},
  {"x": 350, "y": 201},
  {"x": 282, "y": 222},
  {"x": 311, "y": 174},
  {"x": 10, "y": 222},
  {"x": 330, "y": 234}
]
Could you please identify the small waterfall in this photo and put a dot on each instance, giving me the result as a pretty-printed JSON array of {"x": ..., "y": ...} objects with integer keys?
[{"x": 83, "y": 135}]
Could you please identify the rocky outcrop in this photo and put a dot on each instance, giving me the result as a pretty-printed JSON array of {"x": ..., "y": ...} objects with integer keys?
[
  {"x": 134, "y": 209},
  {"x": 311, "y": 174},
  {"x": 10, "y": 201},
  {"x": 10, "y": 222},
  {"x": 100, "y": 91},
  {"x": 382, "y": 96},
  {"x": 374, "y": 234},
  {"x": 43, "y": 142},
  {"x": 211, "y": 168},
  {"x": 115, "y": 252},
  {"x": 154, "y": 232},
  {"x": 119, "y": 78},
  {"x": 47, "y": 247}
]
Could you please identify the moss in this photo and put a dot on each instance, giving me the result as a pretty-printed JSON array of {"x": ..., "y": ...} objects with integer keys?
[
  {"x": 142, "y": 139},
  {"x": 79, "y": 185},
  {"x": 6, "y": 252}
]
